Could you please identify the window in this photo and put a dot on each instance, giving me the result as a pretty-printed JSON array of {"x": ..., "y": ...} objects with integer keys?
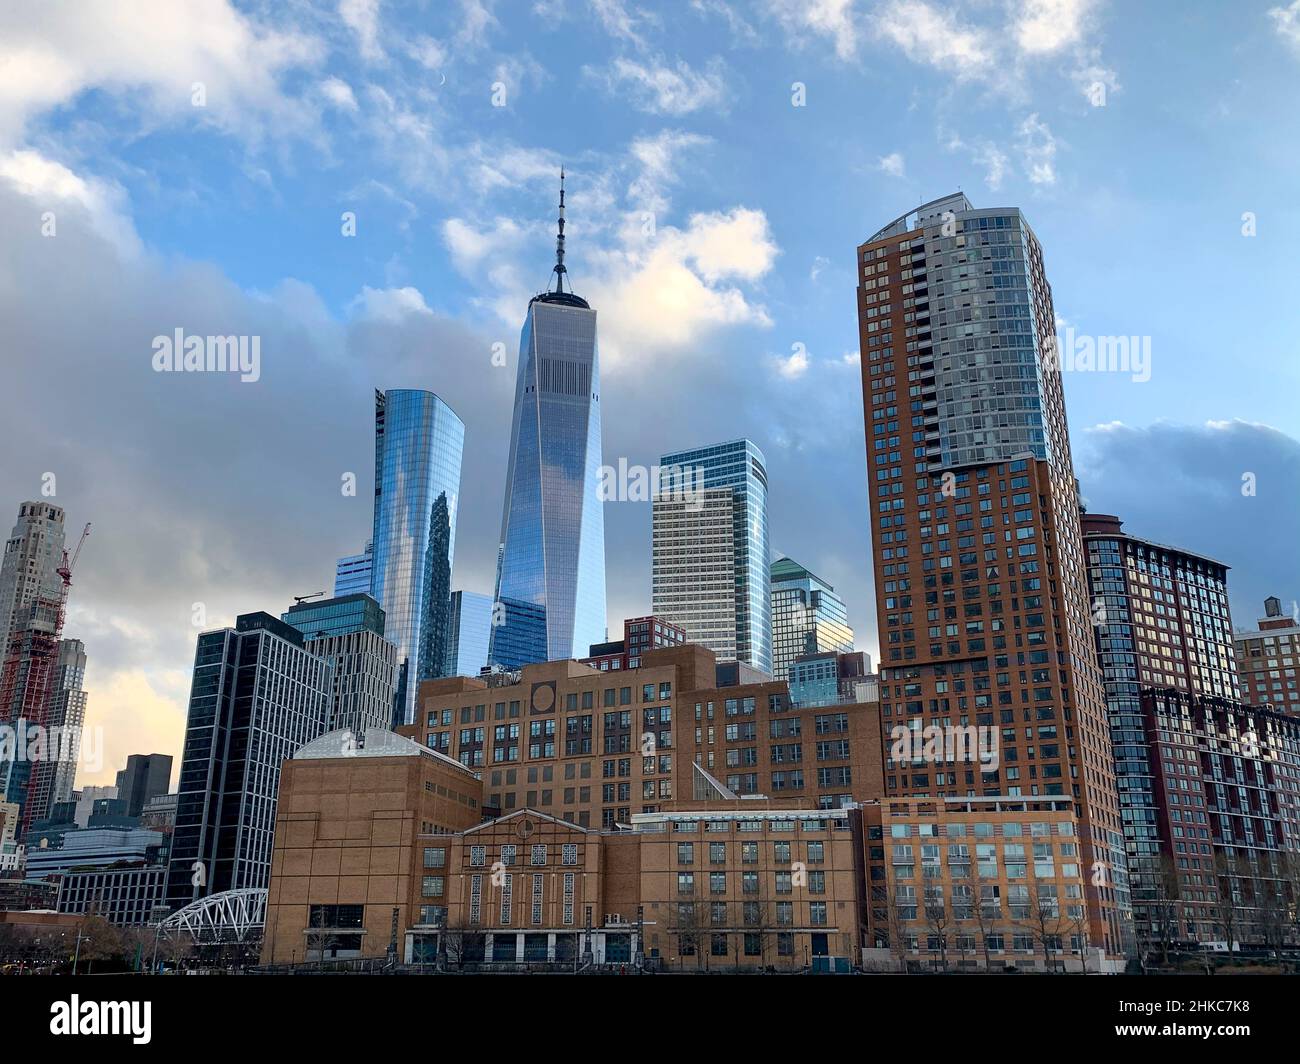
[{"x": 435, "y": 856}]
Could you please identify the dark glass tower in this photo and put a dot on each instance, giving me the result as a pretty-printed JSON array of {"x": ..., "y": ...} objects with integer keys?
[
  {"x": 418, "y": 445},
  {"x": 551, "y": 569},
  {"x": 257, "y": 695}
]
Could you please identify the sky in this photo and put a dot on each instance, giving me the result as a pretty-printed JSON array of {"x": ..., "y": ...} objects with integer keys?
[{"x": 368, "y": 187}]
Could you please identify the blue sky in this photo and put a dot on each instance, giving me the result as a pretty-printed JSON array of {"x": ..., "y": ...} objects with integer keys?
[{"x": 712, "y": 223}]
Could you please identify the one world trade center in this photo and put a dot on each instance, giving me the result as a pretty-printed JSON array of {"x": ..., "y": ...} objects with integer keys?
[{"x": 551, "y": 564}]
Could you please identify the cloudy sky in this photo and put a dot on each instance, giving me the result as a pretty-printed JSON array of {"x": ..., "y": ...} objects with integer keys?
[{"x": 195, "y": 165}]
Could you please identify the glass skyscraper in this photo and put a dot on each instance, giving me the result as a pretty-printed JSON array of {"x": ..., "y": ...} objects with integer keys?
[
  {"x": 710, "y": 570},
  {"x": 419, "y": 441},
  {"x": 352, "y": 574},
  {"x": 257, "y": 695},
  {"x": 807, "y": 617},
  {"x": 348, "y": 632},
  {"x": 551, "y": 567},
  {"x": 469, "y": 633}
]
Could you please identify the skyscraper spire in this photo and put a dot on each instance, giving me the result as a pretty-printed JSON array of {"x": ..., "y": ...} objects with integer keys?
[
  {"x": 557, "y": 293},
  {"x": 559, "y": 241}
]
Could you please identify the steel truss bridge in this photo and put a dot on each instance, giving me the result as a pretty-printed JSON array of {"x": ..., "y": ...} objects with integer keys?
[{"x": 230, "y": 916}]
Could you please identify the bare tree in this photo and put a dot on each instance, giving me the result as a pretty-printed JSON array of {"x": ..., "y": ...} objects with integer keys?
[
  {"x": 1272, "y": 907},
  {"x": 689, "y": 926},
  {"x": 1163, "y": 908},
  {"x": 1227, "y": 913},
  {"x": 938, "y": 920},
  {"x": 1045, "y": 923},
  {"x": 987, "y": 914}
]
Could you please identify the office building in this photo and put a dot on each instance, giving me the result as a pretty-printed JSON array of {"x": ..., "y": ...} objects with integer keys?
[
  {"x": 1267, "y": 658},
  {"x": 145, "y": 777},
  {"x": 130, "y": 894},
  {"x": 830, "y": 679},
  {"x": 419, "y": 441},
  {"x": 551, "y": 562},
  {"x": 807, "y": 617},
  {"x": 352, "y": 573},
  {"x": 68, "y": 714},
  {"x": 640, "y": 634},
  {"x": 1161, "y": 619},
  {"x": 11, "y": 858},
  {"x": 983, "y": 606},
  {"x": 348, "y": 632},
  {"x": 257, "y": 696},
  {"x": 85, "y": 800},
  {"x": 593, "y": 748},
  {"x": 710, "y": 568},
  {"x": 469, "y": 635}
]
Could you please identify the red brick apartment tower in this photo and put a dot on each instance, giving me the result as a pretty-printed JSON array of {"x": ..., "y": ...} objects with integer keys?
[{"x": 981, "y": 588}]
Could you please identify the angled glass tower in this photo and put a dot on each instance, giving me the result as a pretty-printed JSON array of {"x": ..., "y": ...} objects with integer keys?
[
  {"x": 551, "y": 567},
  {"x": 418, "y": 445}
]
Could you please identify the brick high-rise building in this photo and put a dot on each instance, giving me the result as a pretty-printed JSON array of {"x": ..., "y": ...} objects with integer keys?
[
  {"x": 1267, "y": 658},
  {"x": 640, "y": 634},
  {"x": 982, "y": 596},
  {"x": 1161, "y": 620}
]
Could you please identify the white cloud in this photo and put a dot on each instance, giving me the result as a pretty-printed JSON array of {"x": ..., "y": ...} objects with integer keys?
[
  {"x": 1286, "y": 23},
  {"x": 52, "y": 187},
  {"x": 1045, "y": 26},
  {"x": 1038, "y": 150},
  {"x": 620, "y": 23},
  {"x": 362, "y": 18},
  {"x": 659, "y": 88},
  {"x": 891, "y": 164},
  {"x": 927, "y": 34},
  {"x": 658, "y": 159},
  {"x": 832, "y": 19},
  {"x": 388, "y": 304},
  {"x": 50, "y": 54},
  {"x": 339, "y": 93},
  {"x": 795, "y": 366}
]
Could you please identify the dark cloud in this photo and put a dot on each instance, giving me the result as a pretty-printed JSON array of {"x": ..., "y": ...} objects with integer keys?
[{"x": 1182, "y": 485}]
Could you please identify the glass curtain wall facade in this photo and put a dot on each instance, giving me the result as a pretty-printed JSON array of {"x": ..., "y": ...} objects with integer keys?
[
  {"x": 470, "y": 633},
  {"x": 1162, "y": 621},
  {"x": 257, "y": 695},
  {"x": 419, "y": 442},
  {"x": 348, "y": 632},
  {"x": 807, "y": 617},
  {"x": 551, "y": 576},
  {"x": 694, "y": 562}
]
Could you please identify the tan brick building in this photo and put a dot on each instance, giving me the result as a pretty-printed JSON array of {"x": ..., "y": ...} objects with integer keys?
[
  {"x": 594, "y": 748},
  {"x": 346, "y": 853},
  {"x": 976, "y": 883}
]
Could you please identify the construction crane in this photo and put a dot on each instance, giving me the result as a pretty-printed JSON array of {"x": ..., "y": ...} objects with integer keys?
[
  {"x": 65, "y": 570},
  {"x": 300, "y": 599}
]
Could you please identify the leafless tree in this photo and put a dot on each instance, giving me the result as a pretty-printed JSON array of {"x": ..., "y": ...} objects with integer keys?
[
  {"x": 1227, "y": 911},
  {"x": 938, "y": 920},
  {"x": 987, "y": 914}
]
